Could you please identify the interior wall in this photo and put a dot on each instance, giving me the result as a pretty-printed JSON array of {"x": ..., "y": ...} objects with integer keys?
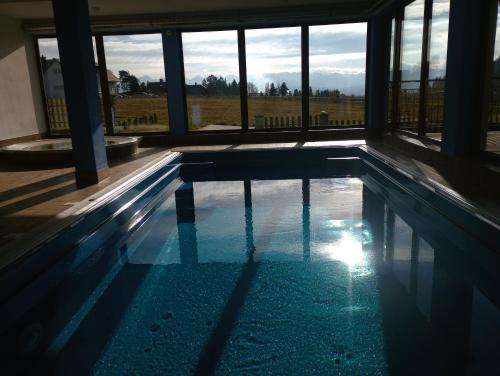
[{"x": 21, "y": 104}]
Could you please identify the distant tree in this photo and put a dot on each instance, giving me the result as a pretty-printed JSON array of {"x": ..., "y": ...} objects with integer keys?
[
  {"x": 128, "y": 82},
  {"x": 252, "y": 88},
  {"x": 143, "y": 86},
  {"x": 43, "y": 61},
  {"x": 311, "y": 92},
  {"x": 295, "y": 93},
  {"x": 272, "y": 90},
  {"x": 235, "y": 88},
  {"x": 266, "y": 89},
  {"x": 496, "y": 67},
  {"x": 283, "y": 90}
]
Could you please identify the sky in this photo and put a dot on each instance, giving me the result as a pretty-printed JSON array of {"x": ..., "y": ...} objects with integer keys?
[
  {"x": 273, "y": 55},
  {"x": 337, "y": 52}
]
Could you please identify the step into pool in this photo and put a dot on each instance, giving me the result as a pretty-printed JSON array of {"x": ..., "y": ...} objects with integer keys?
[{"x": 307, "y": 262}]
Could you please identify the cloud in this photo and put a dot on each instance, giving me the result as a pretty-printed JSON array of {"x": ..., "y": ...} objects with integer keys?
[
  {"x": 271, "y": 52},
  {"x": 214, "y": 52}
]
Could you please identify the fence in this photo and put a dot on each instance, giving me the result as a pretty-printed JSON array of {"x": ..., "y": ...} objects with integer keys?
[
  {"x": 57, "y": 113},
  {"x": 321, "y": 120},
  {"x": 58, "y": 117},
  {"x": 409, "y": 101}
]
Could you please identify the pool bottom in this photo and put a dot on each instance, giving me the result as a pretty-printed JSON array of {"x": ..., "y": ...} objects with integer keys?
[{"x": 256, "y": 318}]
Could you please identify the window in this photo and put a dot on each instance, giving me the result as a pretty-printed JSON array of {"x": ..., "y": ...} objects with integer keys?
[
  {"x": 438, "y": 47},
  {"x": 411, "y": 59},
  {"x": 417, "y": 99},
  {"x": 274, "y": 77},
  {"x": 211, "y": 70},
  {"x": 53, "y": 85},
  {"x": 493, "y": 134},
  {"x": 337, "y": 65},
  {"x": 136, "y": 82},
  {"x": 391, "y": 74}
]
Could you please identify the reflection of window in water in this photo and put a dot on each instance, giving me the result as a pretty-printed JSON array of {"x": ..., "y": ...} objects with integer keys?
[
  {"x": 196, "y": 115},
  {"x": 485, "y": 331},
  {"x": 425, "y": 275},
  {"x": 402, "y": 251}
]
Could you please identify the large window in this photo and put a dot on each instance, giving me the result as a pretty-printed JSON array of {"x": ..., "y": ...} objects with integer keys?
[
  {"x": 417, "y": 88},
  {"x": 130, "y": 71},
  {"x": 493, "y": 134},
  {"x": 438, "y": 48},
  {"x": 337, "y": 64},
  {"x": 390, "y": 108},
  {"x": 53, "y": 85},
  {"x": 274, "y": 77},
  {"x": 411, "y": 62},
  {"x": 136, "y": 82},
  {"x": 212, "y": 80}
]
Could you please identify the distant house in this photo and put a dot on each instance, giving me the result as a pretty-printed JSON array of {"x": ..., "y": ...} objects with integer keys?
[
  {"x": 53, "y": 79},
  {"x": 195, "y": 89},
  {"x": 113, "y": 82},
  {"x": 156, "y": 88}
]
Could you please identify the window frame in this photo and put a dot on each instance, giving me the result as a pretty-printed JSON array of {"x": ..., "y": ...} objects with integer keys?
[
  {"x": 394, "y": 125},
  {"x": 99, "y": 35}
]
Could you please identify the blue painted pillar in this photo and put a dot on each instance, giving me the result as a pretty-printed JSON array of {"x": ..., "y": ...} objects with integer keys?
[
  {"x": 247, "y": 187},
  {"x": 470, "y": 44},
  {"x": 80, "y": 86},
  {"x": 186, "y": 224},
  {"x": 306, "y": 218},
  {"x": 378, "y": 63},
  {"x": 174, "y": 77}
]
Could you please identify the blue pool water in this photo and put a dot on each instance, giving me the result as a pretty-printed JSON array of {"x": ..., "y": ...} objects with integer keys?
[{"x": 332, "y": 275}]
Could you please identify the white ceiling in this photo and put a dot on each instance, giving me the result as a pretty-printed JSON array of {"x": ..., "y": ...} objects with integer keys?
[{"x": 30, "y": 10}]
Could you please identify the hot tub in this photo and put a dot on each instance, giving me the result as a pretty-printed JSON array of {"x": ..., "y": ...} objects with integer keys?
[{"x": 59, "y": 150}]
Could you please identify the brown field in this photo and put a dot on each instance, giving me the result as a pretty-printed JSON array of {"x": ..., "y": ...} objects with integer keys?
[{"x": 203, "y": 111}]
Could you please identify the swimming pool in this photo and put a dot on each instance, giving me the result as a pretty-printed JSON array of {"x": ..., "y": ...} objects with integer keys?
[{"x": 311, "y": 261}]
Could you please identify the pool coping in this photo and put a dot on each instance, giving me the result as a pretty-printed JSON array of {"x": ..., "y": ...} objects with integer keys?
[{"x": 21, "y": 247}]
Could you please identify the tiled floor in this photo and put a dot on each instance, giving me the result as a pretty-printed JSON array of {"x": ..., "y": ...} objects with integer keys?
[{"x": 31, "y": 197}]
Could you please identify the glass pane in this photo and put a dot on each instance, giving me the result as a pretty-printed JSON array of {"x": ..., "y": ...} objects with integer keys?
[
  {"x": 337, "y": 65},
  {"x": 136, "y": 78},
  {"x": 391, "y": 72},
  {"x": 411, "y": 56},
  {"x": 274, "y": 77},
  {"x": 437, "y": 68},
  {"x": 493, "y": 134},
  {"x": 211, "y": 69},
  {"x": 53, "y": 85}
]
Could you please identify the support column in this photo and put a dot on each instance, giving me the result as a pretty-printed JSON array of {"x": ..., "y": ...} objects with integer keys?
[
  {"x": 80, "y": 86},
  {"x": 377, "y": 90},
  {"x": 186, "y": 226},
  {"x": 306, "y": 218},
  {"x": 174, "y": 77},
  {"x": 247, "y": 186},
  {"x": 470, "y": 44},
  {"x": 373, "y": 219}
]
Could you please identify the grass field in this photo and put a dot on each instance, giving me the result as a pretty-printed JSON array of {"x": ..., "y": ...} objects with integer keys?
[{"x": 203, "y": 111}]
